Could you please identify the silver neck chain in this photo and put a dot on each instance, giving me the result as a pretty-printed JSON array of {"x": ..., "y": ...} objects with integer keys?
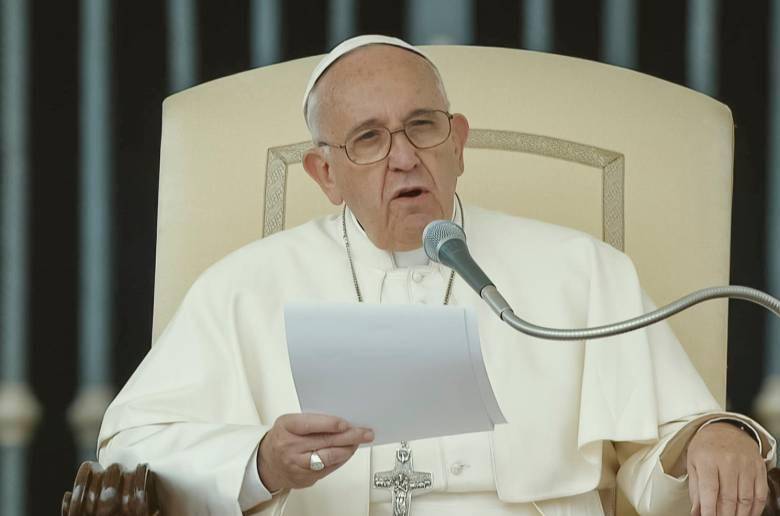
[{"x": 348, "y": 247}]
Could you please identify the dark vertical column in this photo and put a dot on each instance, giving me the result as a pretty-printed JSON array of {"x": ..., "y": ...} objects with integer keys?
[
  {"x": 662, "y": 39},
  {"x": 53, "y": 259},
  {"x": 743, "y": 86},
  {"x": 383, "y": 17},
  {"x": 140, "y": 81},
  {"x": 578, "y": 27},
  {"x": 223, "y": 38}
]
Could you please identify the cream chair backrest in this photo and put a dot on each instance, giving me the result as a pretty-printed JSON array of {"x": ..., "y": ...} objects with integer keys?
[{"x": 640, "y": 162}]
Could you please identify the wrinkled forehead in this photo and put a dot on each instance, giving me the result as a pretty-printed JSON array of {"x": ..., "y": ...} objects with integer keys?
[
  {"x": 379, "y": 85},
  {"x": 371, "y": 58}
]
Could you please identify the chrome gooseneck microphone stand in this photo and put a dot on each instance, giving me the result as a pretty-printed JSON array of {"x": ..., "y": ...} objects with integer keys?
[{"x": 444, "y": 242}]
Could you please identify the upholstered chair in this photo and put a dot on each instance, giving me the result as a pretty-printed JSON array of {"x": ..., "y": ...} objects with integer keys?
[{"x": 644, "y": 164}]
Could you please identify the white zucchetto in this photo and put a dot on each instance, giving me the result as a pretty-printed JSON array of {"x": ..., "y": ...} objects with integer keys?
[{"x": 348, "y": 46}]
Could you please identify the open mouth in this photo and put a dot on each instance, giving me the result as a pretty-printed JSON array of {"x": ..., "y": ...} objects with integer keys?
[{"x": 410, "y": 193}]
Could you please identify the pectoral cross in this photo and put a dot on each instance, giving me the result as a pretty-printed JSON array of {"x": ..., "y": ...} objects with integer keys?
[{"x": 402, "y": 480}]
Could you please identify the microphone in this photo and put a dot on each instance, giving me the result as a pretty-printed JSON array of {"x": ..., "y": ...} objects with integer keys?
[{"x": 445, "y": 242}]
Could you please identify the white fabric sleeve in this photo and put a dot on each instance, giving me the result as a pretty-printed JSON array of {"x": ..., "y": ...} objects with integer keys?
[
  {"x": 188, "y": 410},
  {"x": 647, "y": 475},
  {"x": 253, "y": 492},
  {"x": 195, "y": 465}
]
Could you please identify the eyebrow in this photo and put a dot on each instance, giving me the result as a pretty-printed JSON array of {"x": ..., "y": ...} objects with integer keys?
[
  {"x": 375, "y": 122},
  {"x": 371, "y": 122}
]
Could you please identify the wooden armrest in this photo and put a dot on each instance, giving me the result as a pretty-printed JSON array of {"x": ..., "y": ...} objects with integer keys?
[{"x": 111, "y": 491}]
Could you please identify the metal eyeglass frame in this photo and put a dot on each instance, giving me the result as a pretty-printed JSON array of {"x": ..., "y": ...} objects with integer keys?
[{"x": 391, "y": 133}]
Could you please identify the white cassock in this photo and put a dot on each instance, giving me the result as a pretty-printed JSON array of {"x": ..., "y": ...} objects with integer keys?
[{"x": 578, "y": 412}]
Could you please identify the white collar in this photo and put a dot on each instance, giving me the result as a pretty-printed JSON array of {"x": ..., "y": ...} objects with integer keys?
[
  {"x": 411, "y": 258},
  {"x": 365, "y": 251}
]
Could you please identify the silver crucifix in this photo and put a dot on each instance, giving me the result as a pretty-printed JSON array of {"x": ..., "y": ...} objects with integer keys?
[{"x": 402, "y": 480}]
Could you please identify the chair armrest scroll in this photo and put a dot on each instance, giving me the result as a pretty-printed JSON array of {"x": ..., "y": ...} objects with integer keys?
[{"x": 111, "y": 491}]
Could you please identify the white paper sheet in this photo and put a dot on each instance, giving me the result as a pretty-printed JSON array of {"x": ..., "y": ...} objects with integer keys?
[{"x": 406, "y": 371}]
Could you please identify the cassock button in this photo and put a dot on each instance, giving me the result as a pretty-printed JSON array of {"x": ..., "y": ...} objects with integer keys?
[
  {"x": 417, "y": 277},
  {"x": 457, "y": 468}
]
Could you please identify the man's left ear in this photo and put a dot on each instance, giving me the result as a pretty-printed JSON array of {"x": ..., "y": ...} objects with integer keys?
[{"x": 460, "y": 133}]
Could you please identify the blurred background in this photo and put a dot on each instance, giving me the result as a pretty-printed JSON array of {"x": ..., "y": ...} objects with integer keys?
[{"x": 82, "y": 85}]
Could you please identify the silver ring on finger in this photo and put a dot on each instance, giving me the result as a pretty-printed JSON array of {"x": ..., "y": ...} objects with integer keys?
[{"x": 315, "y": 462}]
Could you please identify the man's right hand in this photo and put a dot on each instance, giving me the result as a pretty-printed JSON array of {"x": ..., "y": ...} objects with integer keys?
[{"x": 285, "y": 451}]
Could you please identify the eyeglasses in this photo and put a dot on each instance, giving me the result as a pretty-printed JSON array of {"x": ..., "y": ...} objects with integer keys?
[{"x": 425, "y": 130}]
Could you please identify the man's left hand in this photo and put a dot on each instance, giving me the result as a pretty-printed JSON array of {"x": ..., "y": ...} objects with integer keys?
[{"x": 726, "y": 474}]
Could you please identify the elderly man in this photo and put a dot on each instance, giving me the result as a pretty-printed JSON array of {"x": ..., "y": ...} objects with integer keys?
[{"x": 222, "y": 431}]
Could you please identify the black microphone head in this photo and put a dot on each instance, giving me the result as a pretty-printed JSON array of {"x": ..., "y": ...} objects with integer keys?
[{"x": 437, "y": 233}]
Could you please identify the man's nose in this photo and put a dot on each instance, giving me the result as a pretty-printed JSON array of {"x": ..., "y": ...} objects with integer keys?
[{"x": 403, "y": 155}]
